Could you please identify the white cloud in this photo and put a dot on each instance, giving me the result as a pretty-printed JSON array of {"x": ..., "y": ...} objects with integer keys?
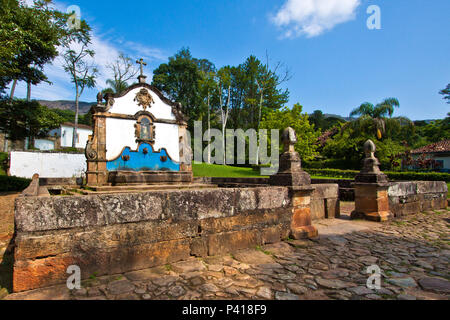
[
  {"x": 106, "y": 51},
  {"x": 313, "y": 17}
]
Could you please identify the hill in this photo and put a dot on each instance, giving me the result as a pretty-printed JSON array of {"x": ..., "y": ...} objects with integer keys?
[{"x": 67, "y": 105}]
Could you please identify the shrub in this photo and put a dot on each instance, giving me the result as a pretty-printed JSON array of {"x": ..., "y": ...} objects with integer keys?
[
  {"x": 8, "y": 184},
  {"x": 406, "y": 175},
  {"x": 3, "y": 162}
]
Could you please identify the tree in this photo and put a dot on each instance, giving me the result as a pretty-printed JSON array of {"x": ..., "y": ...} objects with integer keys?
[
  {"x": 224, "y": 94},
  {"x": 29, "y": 37},
  {"x": 317, "y": 119},
  {"x": 180, "y": 80},
  {"x": 81, "y": 71},
  {"x": 21, "y": 119},
  {"x": 373, "y": 118},
  {"x": 446, "y": 93},
  {"x": 123, "y": 70},
  {"x": 207, "y": 88},
  {"x": 306, "y": 144}
]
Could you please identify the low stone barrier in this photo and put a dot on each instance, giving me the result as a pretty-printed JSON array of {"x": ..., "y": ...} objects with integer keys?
[
  {"x": 325, "y": 201},
  {"x": 346, "y": 189},
  {"x": 116, "y": 233},
  {"x": 411, "y": 197}
]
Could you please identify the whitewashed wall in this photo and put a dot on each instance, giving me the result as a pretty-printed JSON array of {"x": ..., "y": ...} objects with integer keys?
[
  {"x": 127, "y": 105},
  {"x": 67, "y": 135},
  {"x": 47, "y": 165},
  {"x": 120, "y": 133}
]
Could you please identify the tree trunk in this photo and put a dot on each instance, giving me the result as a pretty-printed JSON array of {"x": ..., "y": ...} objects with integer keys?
[
  {"x": 13, "y": 89},
  {"x": 209, "y": 134},
  {"x": 28, "y": 91},
  {"x": 75, "y": 127}
]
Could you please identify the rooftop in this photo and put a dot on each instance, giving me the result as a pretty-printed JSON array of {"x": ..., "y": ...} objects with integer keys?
[{"x": 441, "y": 146}]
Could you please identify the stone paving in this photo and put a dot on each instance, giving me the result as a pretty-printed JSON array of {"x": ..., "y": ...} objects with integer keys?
[{"x": 413, "y": 254}]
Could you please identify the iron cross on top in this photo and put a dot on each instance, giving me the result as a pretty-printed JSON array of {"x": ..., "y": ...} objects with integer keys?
[{"x": 142, "y": 63}]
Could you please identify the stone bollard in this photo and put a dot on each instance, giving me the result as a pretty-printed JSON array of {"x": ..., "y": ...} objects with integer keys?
[
  {"x": 291, "y": 174},
  {"x": 371, "y": 189}
]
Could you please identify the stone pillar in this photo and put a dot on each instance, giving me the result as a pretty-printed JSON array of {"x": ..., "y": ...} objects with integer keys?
[
  {"x": 97, "y": 174},
  {"x": 371, "y": 189},
  {"x": 301, "y": 225},
  {"x": 185, "y": 149},
  {"x": 290, "y": 174}
]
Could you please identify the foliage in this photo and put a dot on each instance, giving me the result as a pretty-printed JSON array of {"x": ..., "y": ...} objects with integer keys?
[
  {"x": 9, "y": 184},
  {"x": 123, "y": 70},
  {"x": 3, "y": 162},
  {"x": 180, "y": 79},
  {"x": 306, "y": 135},
  {"x": 446, "y": 93},
  {"x": 406, "y": 175},
  {"x": 327, "y": 163},
  {"x": 434, "y": 131},
  {"x": 320, "y": 122},
  {"x": 69, "y": 116},
  {"x": 78, "y": 64},
  {"x": 245, "y": 90},
  {"x": 20, "y": 119},
  {"x": 29, "y": 37},
  {"x": 373, "y": 119}
]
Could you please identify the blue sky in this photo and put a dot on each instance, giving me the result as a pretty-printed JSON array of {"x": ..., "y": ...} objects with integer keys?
[{"x": 335, "y": 60}]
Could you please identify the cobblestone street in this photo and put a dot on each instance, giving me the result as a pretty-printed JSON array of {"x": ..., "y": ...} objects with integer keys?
[{"x": 413, "y": 254}]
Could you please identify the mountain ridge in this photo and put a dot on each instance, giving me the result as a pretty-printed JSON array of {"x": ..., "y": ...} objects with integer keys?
[{"x": 84, "y": 107}]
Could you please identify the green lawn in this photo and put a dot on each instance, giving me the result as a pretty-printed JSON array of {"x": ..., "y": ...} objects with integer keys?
[{"x": 214, "y": 170}]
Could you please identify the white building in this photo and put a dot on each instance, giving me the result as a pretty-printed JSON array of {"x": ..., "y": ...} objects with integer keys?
[
  {"x": 439, "y": 152},
  {"x": 65, "y": 133}
]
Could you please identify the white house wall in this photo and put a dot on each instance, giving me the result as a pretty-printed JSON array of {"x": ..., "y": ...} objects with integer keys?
[
  {"x": 67, "y": 135},
  {"x": 47, "y": 165}
]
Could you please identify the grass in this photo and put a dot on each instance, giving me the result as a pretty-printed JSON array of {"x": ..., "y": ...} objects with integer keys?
[
  {"x": 448, "y": 188},
  {"x": 264, "y": 251},
  {"x": 221, "y": 171},
  {"x": 325, "y": 177}
]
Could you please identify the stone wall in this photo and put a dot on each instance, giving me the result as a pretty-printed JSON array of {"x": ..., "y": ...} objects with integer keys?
[
  {"x": 115, "y": 233},
  {"x": 411, "y": 197},
  {"x": 346, "y": 189},
  {"x": 325, "y": 201}
]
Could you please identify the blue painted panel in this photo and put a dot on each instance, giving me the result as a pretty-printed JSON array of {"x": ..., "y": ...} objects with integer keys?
[{"x": 139, "y": 161}]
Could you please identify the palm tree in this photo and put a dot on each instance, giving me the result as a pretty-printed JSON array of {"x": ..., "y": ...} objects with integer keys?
[
  {"x": 115, "y": 86},
  {"x": 376, "y": 117}
]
